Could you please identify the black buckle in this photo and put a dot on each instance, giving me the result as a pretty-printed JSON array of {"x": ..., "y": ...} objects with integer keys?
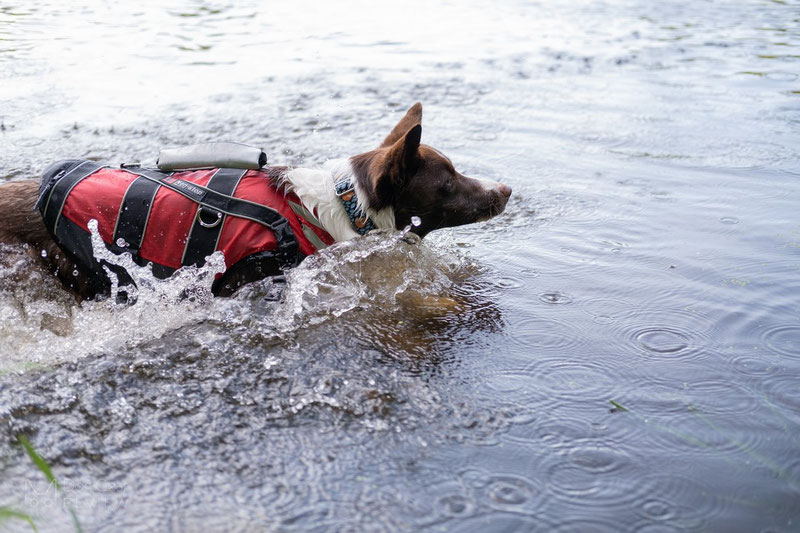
[
  {"x": 287, "y": 242},
  {"x": 276, "y": 288}
]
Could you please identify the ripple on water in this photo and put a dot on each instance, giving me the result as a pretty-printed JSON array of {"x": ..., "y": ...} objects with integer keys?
[
  {"x": 695, "y": 389},
  {"x": 696, "y": 436},
  {"x": 503, "y": 492},
  {"x": 687, "y": 503},
  {"x": 656, "y": 509},
  {"x": 662, "y": 340},
  {"x": 560, "y": 432},
  {"x": 512, "y": 385},
  {"x": 661, "y": 397},
  {"x": 365, "y": 525},
  {"x": 566, "y": 381},
  {"x": 783, "y": 339},
  {"x": 509, "y": 283},
  {"x": 555, "y": 298},
  {"x": 720, "y": 395},
  {"x": 598, "y": 474},
  {"x": 646, "y": 526},
  {"x": 598, "y": 457},
  {"x": 511, "y": 493},
  {"x": 500, "y": 522},
  {"x": 456, "y": 506},
  {"x": 478, "y": 493},
  {"x": 667, "y": 334},
  {"x": 544, "y": 333},
  {"x": 581, "y": 525},
  {"x": 385, "y": 504},
  {"x": 754, "y": 365},
  {"x": 781, "y": 391},
  {"x": 605, "y": 310}
]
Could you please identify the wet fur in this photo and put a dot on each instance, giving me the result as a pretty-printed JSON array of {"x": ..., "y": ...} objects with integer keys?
[
  {"x": 398, "y": 180},
  {"x": 21, "y": 224}
]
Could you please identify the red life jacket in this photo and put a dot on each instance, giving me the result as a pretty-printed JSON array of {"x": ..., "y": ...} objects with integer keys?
[{"x": 175, "y": 219}]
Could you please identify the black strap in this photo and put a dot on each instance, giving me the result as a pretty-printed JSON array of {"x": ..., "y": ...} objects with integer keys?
[
  {"x": 204, "y": 236},
  {"x": 51, "y": 211},
  {"x": 228, "y": 205},
  {"x": 134, "y": 213},
  {"x": 247, "y": 270}
]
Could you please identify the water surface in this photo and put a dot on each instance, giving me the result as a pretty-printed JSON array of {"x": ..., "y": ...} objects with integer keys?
[{"x": 650, "y": 257}]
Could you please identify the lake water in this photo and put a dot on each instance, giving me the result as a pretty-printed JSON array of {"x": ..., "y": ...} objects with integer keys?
[{"x": 619, "y": 351}]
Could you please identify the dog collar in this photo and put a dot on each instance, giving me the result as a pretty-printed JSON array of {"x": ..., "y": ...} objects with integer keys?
[{"x": 358, "y": 218}]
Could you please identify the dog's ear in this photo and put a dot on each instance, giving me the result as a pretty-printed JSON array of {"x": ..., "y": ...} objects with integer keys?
[
  {"x": 403, "y": 157},
  {"x": 413, "y": 116},
  {"x": 385, "y": 170}
]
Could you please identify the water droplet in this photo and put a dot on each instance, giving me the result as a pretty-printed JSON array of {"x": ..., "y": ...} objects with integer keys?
[
  {"x": 44, "y": 253},
  {"x": 75, "y": 272},
  {"x": 509, "y": 282},
  {"x": 556, "y": 298},
  {"x": 416, "y": 221},
  {"x": 657, "y": 509}
]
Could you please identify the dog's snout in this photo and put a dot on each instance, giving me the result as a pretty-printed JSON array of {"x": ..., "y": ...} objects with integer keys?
[{"x": 494, "y": 186}]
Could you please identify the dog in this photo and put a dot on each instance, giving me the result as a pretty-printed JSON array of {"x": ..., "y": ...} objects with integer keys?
[{"x": 400, "y": 184}]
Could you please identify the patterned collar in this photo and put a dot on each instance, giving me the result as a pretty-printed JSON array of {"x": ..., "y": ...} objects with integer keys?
[{"x": 346, "y": 192}]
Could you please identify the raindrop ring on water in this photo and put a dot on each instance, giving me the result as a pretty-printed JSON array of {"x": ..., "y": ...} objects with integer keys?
[
  {"x": 555, "y": 298},
  {"x": 783, "y": 340}
]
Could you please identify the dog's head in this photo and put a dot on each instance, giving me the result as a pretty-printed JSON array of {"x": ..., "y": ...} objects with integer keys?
[{"x": 419, "y": 181}]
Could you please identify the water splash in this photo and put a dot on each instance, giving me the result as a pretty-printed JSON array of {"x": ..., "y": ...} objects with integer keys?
[
  {"x": 389, "y": 270},
  {"x": 192, "y": 281},
  {"x": 43, "y": 325}
]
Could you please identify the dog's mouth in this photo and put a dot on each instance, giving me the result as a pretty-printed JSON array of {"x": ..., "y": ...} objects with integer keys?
[{"x": 496, "y": 206}]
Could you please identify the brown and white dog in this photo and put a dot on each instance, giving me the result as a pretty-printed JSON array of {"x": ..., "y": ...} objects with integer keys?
[{"x": 399, "y": 182}]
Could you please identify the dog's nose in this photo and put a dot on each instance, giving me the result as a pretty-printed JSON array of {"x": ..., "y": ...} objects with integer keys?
[{"x": 505, "y": 190}]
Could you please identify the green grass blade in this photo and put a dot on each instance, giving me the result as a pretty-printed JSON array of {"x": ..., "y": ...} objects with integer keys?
[
  {"x": 7, "y": 513},
  {"x": 617, "y": 406},
  {"x": 37, "y": 459},
  {"x": 42, "y": 465}
]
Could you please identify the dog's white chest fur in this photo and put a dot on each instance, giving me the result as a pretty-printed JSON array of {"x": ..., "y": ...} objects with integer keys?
[{"x": 317, "y": 191}]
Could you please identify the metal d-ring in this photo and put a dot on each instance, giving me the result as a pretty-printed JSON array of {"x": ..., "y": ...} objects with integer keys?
[{"x": 208, "y": 224}]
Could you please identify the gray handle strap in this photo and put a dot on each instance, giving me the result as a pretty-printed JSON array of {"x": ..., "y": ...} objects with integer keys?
[{"x": 212, "y": 155}]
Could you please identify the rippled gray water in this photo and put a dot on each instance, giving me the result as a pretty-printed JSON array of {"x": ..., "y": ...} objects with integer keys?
[{"x": 650, "y": 257}]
